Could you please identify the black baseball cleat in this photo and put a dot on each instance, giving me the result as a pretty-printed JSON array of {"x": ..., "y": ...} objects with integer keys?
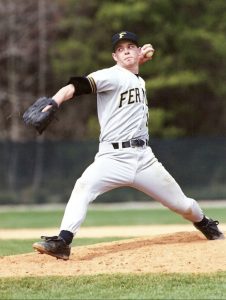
[
  {"x": 54, "y": 246},
  {"x": 209, "y": 228}
]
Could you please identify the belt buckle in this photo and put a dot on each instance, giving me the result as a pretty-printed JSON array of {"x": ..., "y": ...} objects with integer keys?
[{"x": 137, "y": 143}]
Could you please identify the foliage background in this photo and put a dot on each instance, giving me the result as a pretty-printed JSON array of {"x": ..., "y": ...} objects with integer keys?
[{"x": 45, "y": 42}]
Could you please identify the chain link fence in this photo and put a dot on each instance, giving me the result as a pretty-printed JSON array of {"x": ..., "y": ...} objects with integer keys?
[{"x": 45, "y": 172}]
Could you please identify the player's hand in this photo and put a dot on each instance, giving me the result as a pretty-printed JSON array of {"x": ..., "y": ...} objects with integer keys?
[
  {"x": 46, "y": 108},
  {"x": 147, "y": 48}
]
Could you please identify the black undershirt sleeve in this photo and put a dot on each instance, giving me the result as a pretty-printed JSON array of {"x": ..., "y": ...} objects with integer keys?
[{"x": 81, "y": 84}]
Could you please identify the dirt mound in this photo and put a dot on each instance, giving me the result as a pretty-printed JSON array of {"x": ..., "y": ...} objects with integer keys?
[{"x": 182, "y": 252}]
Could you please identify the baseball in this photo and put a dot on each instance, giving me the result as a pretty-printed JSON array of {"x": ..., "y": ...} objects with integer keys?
[{"x": 149, "y": 53}]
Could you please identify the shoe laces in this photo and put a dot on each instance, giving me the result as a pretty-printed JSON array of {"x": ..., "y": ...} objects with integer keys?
[
  {"x": 212, "y": 225},
  {"x": 212, "y": 222},
  {"x": 51, "y": 238}
]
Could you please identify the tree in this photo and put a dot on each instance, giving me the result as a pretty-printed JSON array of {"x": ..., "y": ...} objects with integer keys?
[
  {"x": 23, "y": 54},
  {"x": 185, "y": 80}
]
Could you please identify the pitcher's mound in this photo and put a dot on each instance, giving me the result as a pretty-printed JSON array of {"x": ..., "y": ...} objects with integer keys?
[{"x": 181, "y": 252}]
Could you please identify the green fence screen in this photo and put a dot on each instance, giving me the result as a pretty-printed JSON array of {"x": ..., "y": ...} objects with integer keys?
[{"x": 45, "y": 172}]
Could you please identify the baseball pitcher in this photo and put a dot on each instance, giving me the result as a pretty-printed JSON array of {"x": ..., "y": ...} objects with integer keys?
[{"x": 125, "y": 158}]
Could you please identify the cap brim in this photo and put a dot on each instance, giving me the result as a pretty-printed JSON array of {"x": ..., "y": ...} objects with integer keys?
[{"x": 123, "y": 40}]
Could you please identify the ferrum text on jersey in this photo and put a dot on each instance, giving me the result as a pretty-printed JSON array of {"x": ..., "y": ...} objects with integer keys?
[{"x": 132, "y": 96}]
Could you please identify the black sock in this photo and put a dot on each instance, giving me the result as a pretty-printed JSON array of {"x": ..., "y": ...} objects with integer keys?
[
  {"x": 67, "y": 236},
  {"x": 203, "y": 222}
]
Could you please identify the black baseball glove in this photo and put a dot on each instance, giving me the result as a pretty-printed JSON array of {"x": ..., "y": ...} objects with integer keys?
[{"x": 35, "y": 117}]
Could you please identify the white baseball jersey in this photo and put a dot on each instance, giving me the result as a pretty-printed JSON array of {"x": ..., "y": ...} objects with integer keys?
[
  {"x": 121, "y": 104},
  {"x": 123, "y": 114}
]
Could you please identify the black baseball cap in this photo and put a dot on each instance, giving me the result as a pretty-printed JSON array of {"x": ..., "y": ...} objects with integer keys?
[{"x": 124, "y": 35}]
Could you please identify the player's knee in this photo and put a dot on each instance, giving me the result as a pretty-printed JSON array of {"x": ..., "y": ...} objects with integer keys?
[{"x": 83, "y": 192}]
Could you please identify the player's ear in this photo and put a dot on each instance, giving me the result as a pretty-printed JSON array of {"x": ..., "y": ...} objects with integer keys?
[{"x": 114, "y": 57}]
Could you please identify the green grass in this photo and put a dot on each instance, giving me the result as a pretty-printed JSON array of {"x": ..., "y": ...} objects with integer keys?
[
  {"x": 127, "y": 286},
  {"x": 42, "y": 219}
]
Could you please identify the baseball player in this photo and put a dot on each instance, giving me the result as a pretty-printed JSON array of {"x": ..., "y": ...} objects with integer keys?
[{"x": 125, "y": 158}]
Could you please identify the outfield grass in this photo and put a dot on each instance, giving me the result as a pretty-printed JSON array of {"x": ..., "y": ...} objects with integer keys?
[
  {"x": 117, "y": 286},
  {"x": 43, "y": 219}
]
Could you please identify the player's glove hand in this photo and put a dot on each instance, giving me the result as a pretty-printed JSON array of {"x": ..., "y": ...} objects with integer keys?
[{"x": 36, "y": 117}]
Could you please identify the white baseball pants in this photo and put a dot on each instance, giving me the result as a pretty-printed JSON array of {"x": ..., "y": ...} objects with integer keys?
[{"x": 127, "y": 167}]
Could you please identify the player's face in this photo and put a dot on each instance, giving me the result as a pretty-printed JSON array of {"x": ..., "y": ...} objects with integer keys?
[{"x": 126, "y": 54}]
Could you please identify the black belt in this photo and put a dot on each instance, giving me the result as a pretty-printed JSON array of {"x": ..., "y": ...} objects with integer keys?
[{"x": 131, "y": 143}]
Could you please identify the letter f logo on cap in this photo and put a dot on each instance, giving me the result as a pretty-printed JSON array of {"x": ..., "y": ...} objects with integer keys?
[
  {"x": 124, "y": 35},
  {"x": 121, "y": 34}
]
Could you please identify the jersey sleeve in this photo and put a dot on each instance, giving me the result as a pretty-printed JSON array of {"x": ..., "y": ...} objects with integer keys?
[{"x": 102, "y": 81}]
